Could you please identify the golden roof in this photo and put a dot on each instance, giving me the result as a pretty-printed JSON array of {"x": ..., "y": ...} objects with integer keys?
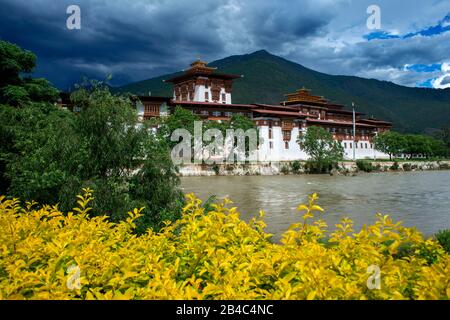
[
  {"x": 200, "y": 66},
  {"x": 304, "y": 95}
]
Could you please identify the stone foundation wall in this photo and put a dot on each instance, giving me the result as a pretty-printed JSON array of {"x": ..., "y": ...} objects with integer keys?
[{"x": 285, "y": 167}]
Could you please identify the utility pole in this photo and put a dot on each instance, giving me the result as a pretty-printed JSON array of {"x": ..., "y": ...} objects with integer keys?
[
  {"x": 374, "y": 150},
  {"x": 354, "y": 132}
]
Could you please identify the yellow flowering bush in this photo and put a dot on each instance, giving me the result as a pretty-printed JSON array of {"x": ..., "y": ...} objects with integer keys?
[{"x": 46, "y": 254}]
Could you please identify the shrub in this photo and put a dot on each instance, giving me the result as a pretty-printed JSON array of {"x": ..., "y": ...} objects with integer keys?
[
  {"x": 407, "y": 167},
  {"x": 296, "y": 167},
  {"x": 364, "y": 165},
  {"x": 395, "y": 166},
  {"x": 285, "y": 169},
  {"x": 46, "y": 254},
  {"x": 216, "y": 169},
  {"x": 312, "y": 166},
  {"x": 443, "y": 237}
]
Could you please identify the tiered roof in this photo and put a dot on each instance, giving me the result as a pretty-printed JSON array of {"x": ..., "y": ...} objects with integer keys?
[
  {"x": 304, "y": 96},
  {"x": 200, "y": 69}
]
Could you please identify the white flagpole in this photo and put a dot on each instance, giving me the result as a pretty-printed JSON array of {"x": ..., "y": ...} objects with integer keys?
[{"x": 354, "y": 132}]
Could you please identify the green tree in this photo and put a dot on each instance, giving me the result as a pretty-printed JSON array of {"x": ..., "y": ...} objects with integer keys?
[
  {"x": 439, "y": 148},
  {"x": 103, "y": 147},
  {"x": 184, "y": 119},
  {"x": 390, "y": 142},
  {"x": 15, "y": 89},
  {"x": 40, "y": 142},
  {"x": 323, "y": 150},
  {"x": 417, "y": 144},
  {"x": 180, "y": 118},
  {"x": 425, "y": 145}
]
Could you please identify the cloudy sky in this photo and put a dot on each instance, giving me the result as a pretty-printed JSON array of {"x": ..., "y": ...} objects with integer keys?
[{"x": 139, "y": 39}]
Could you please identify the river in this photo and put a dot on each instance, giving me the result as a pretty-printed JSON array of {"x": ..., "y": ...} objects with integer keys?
[{"x": 420, "y": 199}]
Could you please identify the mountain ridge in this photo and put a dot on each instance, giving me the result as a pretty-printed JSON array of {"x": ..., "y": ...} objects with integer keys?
[{"x": 267, "y": 78}]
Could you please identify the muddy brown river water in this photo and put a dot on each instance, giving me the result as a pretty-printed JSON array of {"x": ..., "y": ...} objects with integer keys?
[{"x": 420, "y": 199}]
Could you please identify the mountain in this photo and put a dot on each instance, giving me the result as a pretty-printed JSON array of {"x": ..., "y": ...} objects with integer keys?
[{"x": 268, "y": 77}]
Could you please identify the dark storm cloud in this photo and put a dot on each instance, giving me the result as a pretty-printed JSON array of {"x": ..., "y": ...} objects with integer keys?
[{"x": 139, "y": 39}]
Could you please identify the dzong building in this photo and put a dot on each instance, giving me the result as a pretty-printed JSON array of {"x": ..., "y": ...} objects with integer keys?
[{"x": 208, "y": 94}]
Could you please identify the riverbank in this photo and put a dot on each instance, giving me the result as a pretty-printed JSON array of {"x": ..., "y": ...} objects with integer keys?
[{"x": 298, "y": 167}]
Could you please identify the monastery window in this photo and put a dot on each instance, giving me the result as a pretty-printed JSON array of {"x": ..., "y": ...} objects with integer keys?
[
  {"x": 345, "y": 145},
  {"x": 371, "y": 146},
  {"x": 206, "y": 96},
  {"x": 224, "y": 99},
  {"x": 270, "y": 133},
  {"x": 286, "y": 144},
  {"x": 271, "y": 145},
  {"x": 362, "y": 146},
  {"x": 217, "y": 113},
  {"x": 356, "y": 145},
  {"x": 351, "y": 145},
  {"x": 204, "y": 112},
  {"x": 287, "y": 134},
  {"x": 228, "y": 114}
]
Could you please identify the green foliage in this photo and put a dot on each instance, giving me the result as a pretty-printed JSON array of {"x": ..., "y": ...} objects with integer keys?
[
  {"x": 53, "y": 153},
  {"x": 394, "y": 143},
  {"x": 407, "y": 167},
  {"x": 395, "y": 166},
  {"x": 180, "y": 118},
  {"x": 390, "y": 142},
  {"x": 285, "y": 169},
  {"x": 16, "y": 90},
  {"x": 296, "y": 167},
  {"x": 184, "y": 119},
  {"x": 365, "y": 165},
  {"x": 323, "y": 150},
  {"x": 443, "y": 237},
  {"x": 13, "y": 61},
  {"x": 424, "y": 145}
]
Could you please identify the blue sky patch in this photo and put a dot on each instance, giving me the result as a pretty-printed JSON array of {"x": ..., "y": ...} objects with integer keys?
[
  {"x": 441, "y": 27},
  {"x": 426, "y": 84},
  {"x": 424, "y": 67},
  {"x": 380, "y": 35}
]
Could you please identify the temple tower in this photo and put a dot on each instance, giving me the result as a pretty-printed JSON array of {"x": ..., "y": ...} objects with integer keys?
[{"x": 201, "y": 83}]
